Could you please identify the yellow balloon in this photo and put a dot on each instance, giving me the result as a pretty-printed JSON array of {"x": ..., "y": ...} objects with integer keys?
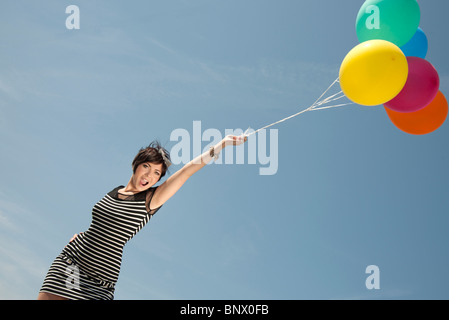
[{"x": 373, "y": 73}]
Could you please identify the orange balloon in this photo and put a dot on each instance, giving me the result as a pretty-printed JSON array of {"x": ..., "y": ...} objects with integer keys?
[{"x": 423, "y": 121}]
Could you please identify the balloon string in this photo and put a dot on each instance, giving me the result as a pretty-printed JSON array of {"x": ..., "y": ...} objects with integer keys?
[
  {"x": 314, "y": 107},
  {"x": 317, "y": 100},
  {"x": 329, "y": 107}
]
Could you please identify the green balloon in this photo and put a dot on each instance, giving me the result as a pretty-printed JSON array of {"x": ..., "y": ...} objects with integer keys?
[{"x": 391, "y": 20}]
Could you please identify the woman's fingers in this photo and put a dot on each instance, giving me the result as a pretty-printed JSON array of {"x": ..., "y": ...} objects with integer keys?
[{"x": 240, "y": 139}]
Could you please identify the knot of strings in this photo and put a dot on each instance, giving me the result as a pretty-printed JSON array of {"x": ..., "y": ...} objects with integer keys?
[{"x": 320, "y": 104}]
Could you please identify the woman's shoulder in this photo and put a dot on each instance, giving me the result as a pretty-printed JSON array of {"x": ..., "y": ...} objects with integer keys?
[
  {"x": 149, "y": 196},
  {"x": 114, "y": 192}
]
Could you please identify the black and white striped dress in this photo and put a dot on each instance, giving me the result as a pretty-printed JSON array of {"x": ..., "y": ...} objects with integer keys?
[{"x": 89, "y": 266}]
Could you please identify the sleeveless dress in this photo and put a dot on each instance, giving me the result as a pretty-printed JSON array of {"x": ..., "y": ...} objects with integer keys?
[{"x": 89, "y": 266}]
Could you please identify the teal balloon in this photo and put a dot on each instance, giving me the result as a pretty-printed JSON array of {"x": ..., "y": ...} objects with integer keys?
[
  {"x": 395, "y": 21},
  {"x": 417, "y": 46}
]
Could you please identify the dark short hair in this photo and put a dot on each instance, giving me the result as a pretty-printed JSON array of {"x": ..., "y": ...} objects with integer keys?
[{"x": 152, "y": 154}]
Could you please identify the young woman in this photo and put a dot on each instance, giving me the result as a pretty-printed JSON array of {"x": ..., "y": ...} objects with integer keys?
[{"x": 88, "y": 267}]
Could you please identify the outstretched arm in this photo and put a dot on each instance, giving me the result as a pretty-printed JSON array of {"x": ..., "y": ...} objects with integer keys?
[{"x": 167, "y": 189}]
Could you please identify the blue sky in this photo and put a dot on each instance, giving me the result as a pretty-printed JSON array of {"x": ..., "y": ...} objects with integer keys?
[{"x": 350, "y": 191}]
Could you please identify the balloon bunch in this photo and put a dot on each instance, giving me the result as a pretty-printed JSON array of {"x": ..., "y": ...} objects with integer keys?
[{"x": 389, "y": 68}]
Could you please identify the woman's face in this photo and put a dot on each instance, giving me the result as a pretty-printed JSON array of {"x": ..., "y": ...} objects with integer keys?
[{"x": 146, "y": 175}]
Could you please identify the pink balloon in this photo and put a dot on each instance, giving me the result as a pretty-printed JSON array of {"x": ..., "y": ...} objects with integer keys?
[{"x": 422, "y": 86}]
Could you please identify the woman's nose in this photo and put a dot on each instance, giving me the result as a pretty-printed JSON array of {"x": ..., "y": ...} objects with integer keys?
[{"x": 148, "y": 174}]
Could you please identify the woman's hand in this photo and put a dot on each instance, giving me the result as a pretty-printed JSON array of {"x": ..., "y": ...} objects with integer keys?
[{"x": 231, "y": 140}]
